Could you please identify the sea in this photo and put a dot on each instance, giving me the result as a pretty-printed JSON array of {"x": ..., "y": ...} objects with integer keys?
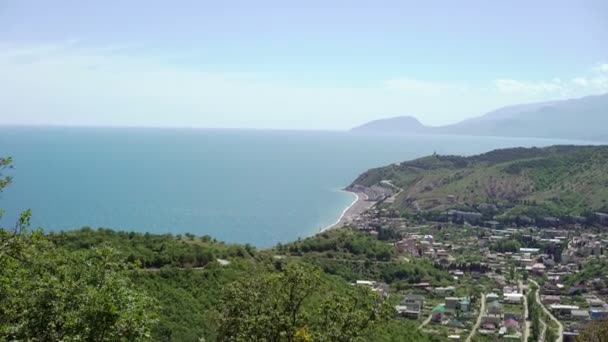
[{"x": 260, "y": 187}]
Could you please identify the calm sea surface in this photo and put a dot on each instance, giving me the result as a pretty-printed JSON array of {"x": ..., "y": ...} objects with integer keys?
[{"x": 258, "y": 187}]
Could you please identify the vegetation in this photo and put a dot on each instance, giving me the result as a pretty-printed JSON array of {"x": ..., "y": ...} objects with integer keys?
[
  {"x": 595, "y": 268},
  {"x": 534, "y": 312},
  {"x": 353, "y": 255},
  {"x": 596, "y": 331},
  {"x": 531, "y": 182},
  {"x": 50, "y": 294},
  {"x": 194, "y": 301},
  {"x": 154, "y": 251},
  {"x": 276, "y": 307}
]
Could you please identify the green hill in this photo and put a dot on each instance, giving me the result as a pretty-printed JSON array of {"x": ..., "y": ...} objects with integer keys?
[
  {"x": 183, "y": 275},
  {"x": 557, "y": 180}
]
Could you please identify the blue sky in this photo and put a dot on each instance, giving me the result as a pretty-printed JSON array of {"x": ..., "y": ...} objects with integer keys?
[{"x": 292, "y": 64}]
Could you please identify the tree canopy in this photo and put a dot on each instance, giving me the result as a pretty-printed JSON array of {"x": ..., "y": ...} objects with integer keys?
[
  {"x": 279, "y": 307},
  {"x": 51, "y": 294}
]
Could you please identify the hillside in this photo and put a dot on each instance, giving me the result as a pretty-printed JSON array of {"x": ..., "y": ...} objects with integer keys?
[
  {"x": 557, "y": 180},
  {"x": 184, "y": 276},
  {"x": 583, "y": 118}
]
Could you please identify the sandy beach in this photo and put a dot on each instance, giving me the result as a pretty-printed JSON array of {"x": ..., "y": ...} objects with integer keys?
[{"x": 358, "y": 206}]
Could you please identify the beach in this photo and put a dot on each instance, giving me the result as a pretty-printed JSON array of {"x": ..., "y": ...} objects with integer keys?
[{"x": 359, "y": 205}]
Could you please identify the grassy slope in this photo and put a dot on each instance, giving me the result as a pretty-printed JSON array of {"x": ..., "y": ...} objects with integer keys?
[{"x": 562, "y": 179}]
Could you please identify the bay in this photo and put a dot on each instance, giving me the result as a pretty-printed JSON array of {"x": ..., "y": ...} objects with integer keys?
[{"x": 246, "y": 186}]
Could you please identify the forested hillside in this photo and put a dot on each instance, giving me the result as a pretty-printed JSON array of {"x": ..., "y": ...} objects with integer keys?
[
  {"x": 190, "y": 284},
  {"x": 557, "y": 180}
]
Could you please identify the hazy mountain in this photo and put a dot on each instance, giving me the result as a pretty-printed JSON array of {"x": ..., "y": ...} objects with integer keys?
[
  {"x": 583, "y": 118},
  {"x": 405, "y": 124}
]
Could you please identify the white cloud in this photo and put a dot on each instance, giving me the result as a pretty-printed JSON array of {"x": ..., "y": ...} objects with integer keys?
[
  {"x": 511, "y": 86},
  {"x": 595, "y": 83},
  {"x": 580, "y": 81},
  {"x": 71, "y": 84},
  {"x": 420, "y": 86},
  {"x": 603, "y": 68}
]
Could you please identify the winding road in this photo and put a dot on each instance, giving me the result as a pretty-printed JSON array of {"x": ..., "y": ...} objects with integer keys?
[
  {"x": 482, "y": 309},
  {"x": 543, "y": 331},
  {"x": 560, "y": 326}
]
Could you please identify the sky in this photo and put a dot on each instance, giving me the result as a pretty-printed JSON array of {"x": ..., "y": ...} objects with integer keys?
[{"x": 292, "y": 64}]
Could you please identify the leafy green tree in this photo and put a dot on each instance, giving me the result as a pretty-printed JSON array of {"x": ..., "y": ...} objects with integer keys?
[
  {"x": 550, "y": 335},
  {"x": 596, "y": 331},
  {"x": 277, "y": 307},
  {"x": 50, "y": 294},
  {"x": 345, "y": 318}
]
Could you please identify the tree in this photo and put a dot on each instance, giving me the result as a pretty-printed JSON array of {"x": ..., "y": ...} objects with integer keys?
[
  {"x": 277, "y": 307},
  {"x": 550, "y": 335},
  {"x": 596, "y": 331},
  {"x": 346, "y": 318},
  {"x": 50, "y": 294}
]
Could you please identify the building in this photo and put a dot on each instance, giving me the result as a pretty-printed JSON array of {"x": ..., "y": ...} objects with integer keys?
[
  {"x": 598, "y": 314},
  {"x": 411, "y": 306},
  {"x": 464, "y": 216},
  {"x": 596, "y": 303},
  {"x": 494, "y": 308},
  {"x": 445, "y": 291},
  {"x": 465, "y": 304},
  {"x": 511, "y": 325},
  {"x": 491, "y": 297},
  {"x": 369, "y": 283},
  {"x": 551, "y": 299},
  {"x": 438, "y": 313},
  {"x": 513, "y": 298},
  {"x": 562, "y": 310},
  {"x": 529, "y": 250},
  {"x": 491, "y": 319},
  {"x": 452, "y": 304},
  {"x": 538, "y": 269},
  {"x": 579, "y": 315},
  {"x": 512, "y": 315}
]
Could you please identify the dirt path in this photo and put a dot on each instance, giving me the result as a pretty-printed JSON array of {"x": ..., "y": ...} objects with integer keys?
[
  {"x": 482, "y": 309},
  {"x": 560, "y": 326},
  {"x": 426, "y": 321}
]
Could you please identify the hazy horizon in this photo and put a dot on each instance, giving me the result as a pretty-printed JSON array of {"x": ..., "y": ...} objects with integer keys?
[
  {"x": 302, "y": 66},
  {"x": 200, "y": 127}
]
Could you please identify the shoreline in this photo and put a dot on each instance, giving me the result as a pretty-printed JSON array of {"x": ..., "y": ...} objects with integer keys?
[{"x": 357, "y": 207}]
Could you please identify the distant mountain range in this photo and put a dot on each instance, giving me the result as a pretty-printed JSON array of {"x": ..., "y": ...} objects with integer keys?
[{"x": 583, "y": 118}]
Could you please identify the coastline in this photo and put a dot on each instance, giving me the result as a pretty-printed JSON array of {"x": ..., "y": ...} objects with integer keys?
[{"x": 357, "y": 207}]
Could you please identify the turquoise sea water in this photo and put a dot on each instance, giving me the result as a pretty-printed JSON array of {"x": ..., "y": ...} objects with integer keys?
[{"x": 257, "y": 187}]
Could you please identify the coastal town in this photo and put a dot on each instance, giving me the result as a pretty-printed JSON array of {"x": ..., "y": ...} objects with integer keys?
[{"x": 537, "y": 279}]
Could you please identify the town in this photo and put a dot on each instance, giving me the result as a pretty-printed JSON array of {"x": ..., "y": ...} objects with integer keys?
[{"x": 537, "y": 279}]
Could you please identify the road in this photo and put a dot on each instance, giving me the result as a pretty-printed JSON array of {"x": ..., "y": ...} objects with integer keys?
[
  {"x": 526, "y": 321},
  {"x": 560, "y": 326},
  {"x": 543, "y": 330},
  {"x": 426, "y": 321},
  {"x": 482, "y": 309}
]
